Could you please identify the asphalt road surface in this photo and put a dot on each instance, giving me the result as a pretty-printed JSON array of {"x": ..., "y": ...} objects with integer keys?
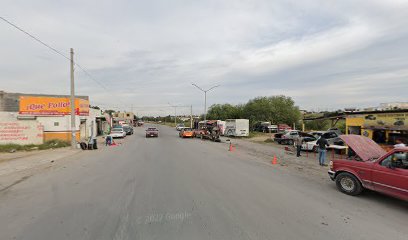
[{"x": 171, "y": 188}]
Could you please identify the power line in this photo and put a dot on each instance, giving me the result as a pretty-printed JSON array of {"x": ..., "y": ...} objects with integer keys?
[
  {"x": 54, "y": 50},
  {"x": 35, "y": 38}
]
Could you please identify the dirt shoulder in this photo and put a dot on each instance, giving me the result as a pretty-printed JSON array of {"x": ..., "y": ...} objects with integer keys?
[
  {"x": 19, "y": 166},
  {"x": 256, "y": 146}
]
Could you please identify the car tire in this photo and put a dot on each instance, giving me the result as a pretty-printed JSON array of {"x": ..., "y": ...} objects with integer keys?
[
  {"x": 348, "y": 184},
  {"x": 290, "y": 142}
]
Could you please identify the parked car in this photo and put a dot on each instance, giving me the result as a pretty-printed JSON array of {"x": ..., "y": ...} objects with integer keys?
[
  {"x": 332, "y": 137},
  {"x": 283, "y": 127},
  {"x": 152, "y": 132},
  {"x": 117, "y": 132},
  {"x": 316, "y": 134},
  {"x": 308, "y": 144},
  {"x": 336, "y": 130},
  {"x": 179, "y": 126},
  {"x": 287, "y": 137},
  {"x": 371, "y": 168},
  {"x": 128, "y": 130},
  {"x": 186, "y": 132},
  {"x": 265, "y": 127}
]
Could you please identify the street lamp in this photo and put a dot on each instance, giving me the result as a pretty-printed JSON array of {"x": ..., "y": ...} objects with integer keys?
[
  {"x": 205, "y": 98},
  {"x": 175, "y": 113}
]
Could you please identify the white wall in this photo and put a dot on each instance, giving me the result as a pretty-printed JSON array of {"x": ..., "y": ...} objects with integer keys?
[
  {"x": 17, "y": 131},
  {"x": 58, "y": 123}
]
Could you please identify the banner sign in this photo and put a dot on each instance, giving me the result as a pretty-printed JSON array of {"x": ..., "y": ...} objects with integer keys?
[{"x": 43, "y": 106}]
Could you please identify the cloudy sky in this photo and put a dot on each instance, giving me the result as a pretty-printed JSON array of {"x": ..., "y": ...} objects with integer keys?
[{"x": 324, "y": 54}]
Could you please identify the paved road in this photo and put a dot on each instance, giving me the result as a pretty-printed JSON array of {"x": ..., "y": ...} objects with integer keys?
[{"x": 172, "y": 188}]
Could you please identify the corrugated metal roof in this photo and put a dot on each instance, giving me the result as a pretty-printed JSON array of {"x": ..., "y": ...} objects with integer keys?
[{"x": 364, "y": 147}]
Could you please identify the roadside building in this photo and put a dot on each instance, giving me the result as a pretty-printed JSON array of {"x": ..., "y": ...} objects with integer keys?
[
  {"x": 123, "y": 117},
  {"x": 383, "y": 127},
  {"x": 52, "y": 113}
]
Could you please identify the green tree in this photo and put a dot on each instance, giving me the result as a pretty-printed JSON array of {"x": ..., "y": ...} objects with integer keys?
[
  {"x": 224, "y": 111},
  {"x": 109, "y": 111},
  {"x": 317, "y": 125},
  {"x": 275, "y": 109}
]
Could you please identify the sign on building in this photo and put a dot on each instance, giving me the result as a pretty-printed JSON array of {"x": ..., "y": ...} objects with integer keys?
[{"x": 42, "y": 106}]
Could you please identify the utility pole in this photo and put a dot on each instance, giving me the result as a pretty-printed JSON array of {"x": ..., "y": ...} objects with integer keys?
[
  {"x": 191, "y": 116},
  {"x": 175, "y": 115},
  {"x": 205, "y": 98},
  {"x": 73, "y": 135}
]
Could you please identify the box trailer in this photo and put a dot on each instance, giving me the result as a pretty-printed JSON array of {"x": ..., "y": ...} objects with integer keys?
[{"x": 237, "y": 127}]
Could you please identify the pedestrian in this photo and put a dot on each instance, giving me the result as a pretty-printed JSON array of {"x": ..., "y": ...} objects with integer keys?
[
  {"x": 399, "y": 143},
  {"x": 322, "y": 143},
  {"x": 108, "y": 140},
  {"x": 298, "y": 143}
]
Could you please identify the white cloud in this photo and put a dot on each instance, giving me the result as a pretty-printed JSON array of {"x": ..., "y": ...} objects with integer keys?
[{"x": 148, "y": 53}]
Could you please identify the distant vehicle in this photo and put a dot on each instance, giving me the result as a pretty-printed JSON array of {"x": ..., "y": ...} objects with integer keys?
[
  {"x": 283, "y": 127},
  {"x": 316, "y": 134},
  {"x": 209, "y": 130},
  {"x": 221, "y": 126},
  {"x": 117, "y": 132},
  {"x": 140, "y": 123},
  {"x": 371, "y": 168},
  {"x": 128, "y": 129},
  {"x": 152, "y": 132},
  {"x": 265, "y": 127},
  {"x": 286, "y": 137},
  {"x": 306, "y": 146},
  {"x": 336, "y": 130},
  {"x": 332, "y": 137},
  {"x": 179, "y": 126},
  {"x": 237, "y": 127},
  {"x": 186, "y": 132}
]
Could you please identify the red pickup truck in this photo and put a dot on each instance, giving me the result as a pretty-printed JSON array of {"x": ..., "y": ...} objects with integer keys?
[{"x": 372, "y": 168}]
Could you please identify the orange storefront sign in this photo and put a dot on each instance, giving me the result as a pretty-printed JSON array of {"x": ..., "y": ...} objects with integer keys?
[{"x": 43, "y": 106}]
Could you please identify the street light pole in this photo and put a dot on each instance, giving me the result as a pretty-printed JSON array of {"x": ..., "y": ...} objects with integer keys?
[
  {"x": 205, "y": 97},
  {"x": 175, "y": 113}
]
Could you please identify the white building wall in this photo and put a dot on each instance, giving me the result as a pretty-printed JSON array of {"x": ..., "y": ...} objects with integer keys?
[
  {"x": 58, "y": 123},
  {"x": 17, "y": 131}
]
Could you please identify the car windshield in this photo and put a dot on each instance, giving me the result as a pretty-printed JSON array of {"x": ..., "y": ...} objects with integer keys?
[{"x": 187, "y": 129}]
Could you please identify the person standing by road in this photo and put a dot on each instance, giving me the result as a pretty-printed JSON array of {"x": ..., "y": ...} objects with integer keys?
[
  {"x": 322, "y": 143},
  {"x": 399, "y": 143},
  {"x": 298, "y": 144}
]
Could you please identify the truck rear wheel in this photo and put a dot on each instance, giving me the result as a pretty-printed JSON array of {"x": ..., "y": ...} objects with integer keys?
[{"x": 348, "y": 184}]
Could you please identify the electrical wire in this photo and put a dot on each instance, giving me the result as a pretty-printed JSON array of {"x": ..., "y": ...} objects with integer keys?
[
  {"x": 54, "y": 50},
  {"x": 35, "y": 38}
]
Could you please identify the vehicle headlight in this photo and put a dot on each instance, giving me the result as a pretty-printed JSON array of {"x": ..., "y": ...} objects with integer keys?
[{"x": 331, "y": 165}]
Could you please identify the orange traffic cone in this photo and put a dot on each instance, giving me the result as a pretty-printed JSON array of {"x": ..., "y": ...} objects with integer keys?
[
  {"x": 275, "y": 160},
  {"x": 231, "y": 148}
]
